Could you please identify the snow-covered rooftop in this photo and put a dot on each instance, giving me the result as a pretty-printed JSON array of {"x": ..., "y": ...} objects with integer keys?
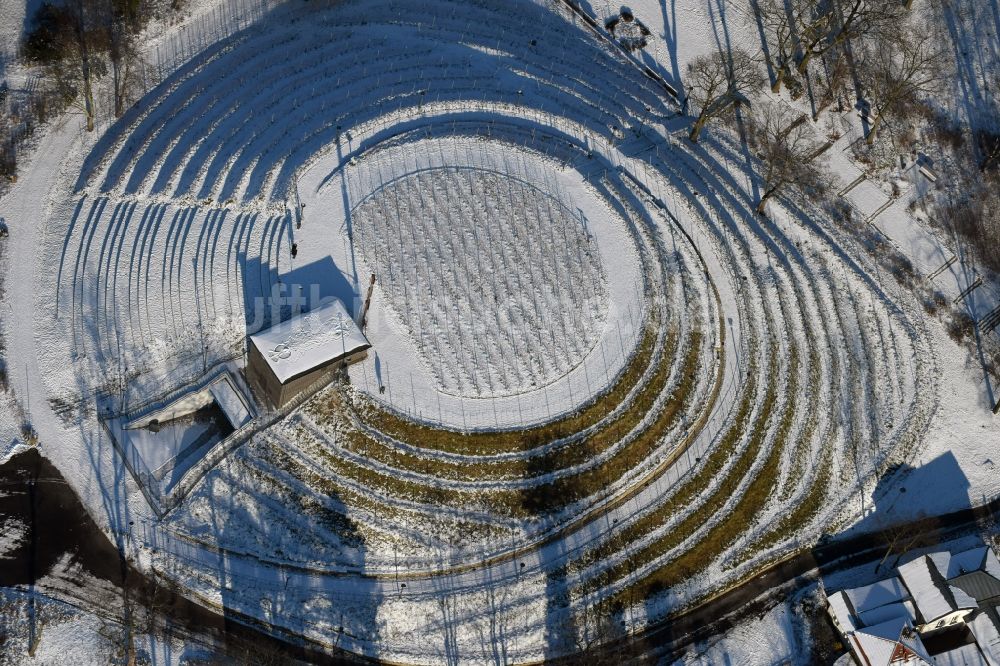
[
  {"x": 933, "y": 597},
  {"x": 309, "y": 340},
  {"x": 840, "y": 608},
  {"x": 894, "y": 641},
  {"x": 987, "y": 637},
  {"x": 883, "y": 592},
  {"x": 974, "y": 559},
  {"x": 888, "y": 612},
  {"x": 230, "y": 402}
]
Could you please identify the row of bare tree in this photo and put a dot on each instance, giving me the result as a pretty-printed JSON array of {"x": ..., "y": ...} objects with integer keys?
[
  {"x": 783, "y": 142},
  {"x": 80, "y": 41},
  {"x": 876, "y": 46}
]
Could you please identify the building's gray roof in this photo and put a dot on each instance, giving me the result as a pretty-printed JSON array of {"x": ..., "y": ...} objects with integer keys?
[
  {"x": 977, "y": 584},
  {"x": 975, "y": 571},
  {"x": 932, "y": 595},
  {"x": 890, "y": 590}
]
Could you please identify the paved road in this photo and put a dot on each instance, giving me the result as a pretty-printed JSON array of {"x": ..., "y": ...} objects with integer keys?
[{"x": 35, "y": 494}]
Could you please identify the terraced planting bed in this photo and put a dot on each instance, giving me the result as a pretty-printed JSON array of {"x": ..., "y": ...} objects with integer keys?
[{"x": 597, "y": 379}]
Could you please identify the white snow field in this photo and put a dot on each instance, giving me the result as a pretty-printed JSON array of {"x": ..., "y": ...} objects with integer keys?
[{"x": 610, "y": 388}]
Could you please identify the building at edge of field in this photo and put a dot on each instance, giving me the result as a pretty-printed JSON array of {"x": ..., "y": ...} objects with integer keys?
[
  {"x": 939, "y": 608},
  {"x": 291, "y": 356}
]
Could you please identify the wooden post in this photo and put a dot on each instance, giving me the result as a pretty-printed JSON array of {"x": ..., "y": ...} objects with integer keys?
[{"x": 368, "y": 302}]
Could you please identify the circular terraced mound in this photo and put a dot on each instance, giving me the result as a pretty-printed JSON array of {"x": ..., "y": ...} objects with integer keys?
[{"x": 611, "y": 387}]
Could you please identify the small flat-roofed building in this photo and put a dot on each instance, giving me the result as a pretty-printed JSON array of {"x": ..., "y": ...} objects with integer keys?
[{"x": 295, "y": 354}]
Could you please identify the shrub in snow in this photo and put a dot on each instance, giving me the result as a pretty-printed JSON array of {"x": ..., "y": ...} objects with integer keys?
[
  {"x": 628, "y": 30},
  {"x": 961, "y": 326}
]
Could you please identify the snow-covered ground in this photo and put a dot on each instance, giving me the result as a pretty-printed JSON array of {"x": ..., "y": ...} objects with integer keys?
[
  {"x": 13, "y": 16},
  {"x": 779, "y": 636},
  {"x": 682, "y": 31},
  {"x": 39, "y": 631},
  {"x": 556, "y": 242}
]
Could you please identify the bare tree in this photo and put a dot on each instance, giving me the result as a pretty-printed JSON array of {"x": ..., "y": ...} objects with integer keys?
[
  {"x": 976, "y": 216},
  {"x": 82, "y": 15},
  {"x": 785, "y": 144},
  {"x": 804, "y": 29},
  {"x": 895, "y": 71},
  {"x": 777, "y": 21},
  {"x": 797, "y": 30},
  {"x": 832, "y": 86},
  {"x": 719, "y": 81},
  {"x": 812, "y": 24},
  {"x": 837, "y": 21},
  {"x": 121, "y": 20},
  {"x": 77, "y": 40},
  {"x": 64, "y": 40},
  {"x": 988, "y": 141}
]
